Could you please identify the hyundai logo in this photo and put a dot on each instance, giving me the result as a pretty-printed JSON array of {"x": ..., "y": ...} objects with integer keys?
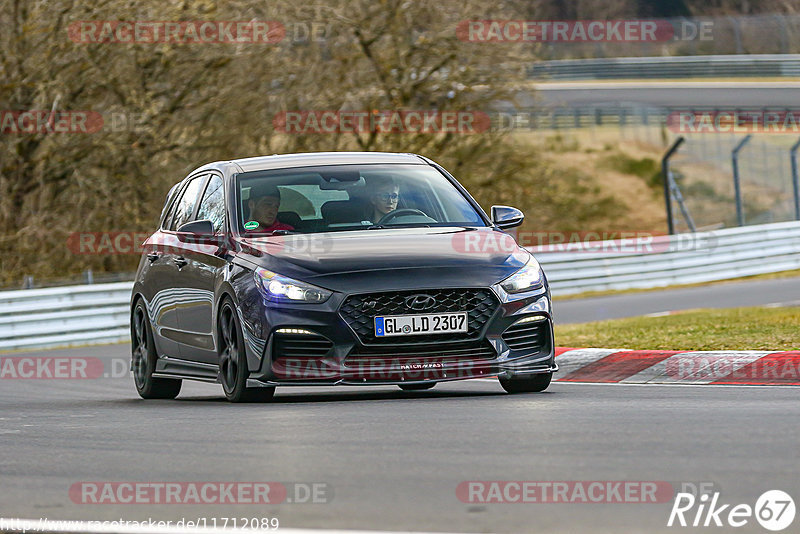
[{"x": 420, "y": 302}]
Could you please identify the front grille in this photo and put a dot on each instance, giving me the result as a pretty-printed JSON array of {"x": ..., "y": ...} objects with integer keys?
[
  {"x": 359, "y": 311},
  {"x": 450, "y": 353},
  {"x": 300, "y": 346},
  {"x": 532, "y": 336}
]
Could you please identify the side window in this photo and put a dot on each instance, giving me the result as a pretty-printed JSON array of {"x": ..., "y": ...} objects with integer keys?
[
  {"x": 169, "y": 207},
  {"x": 212, "y": 207},
  {"x": 187, "y": 203}
]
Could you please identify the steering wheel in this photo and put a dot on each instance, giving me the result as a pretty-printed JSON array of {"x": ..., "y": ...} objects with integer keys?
[{"x": 399, "y": 213}]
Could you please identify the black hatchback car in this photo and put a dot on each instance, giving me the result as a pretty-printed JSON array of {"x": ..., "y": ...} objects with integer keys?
[{"x": 335, "y": 268}]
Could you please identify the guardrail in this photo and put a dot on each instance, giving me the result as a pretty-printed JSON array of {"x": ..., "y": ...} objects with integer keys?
[
  {"x": 720, "y": 66},
  {"x": 63, "y": 316},
  {"x": 678, "y": 259},
  {"x": 77, "y": 315}
]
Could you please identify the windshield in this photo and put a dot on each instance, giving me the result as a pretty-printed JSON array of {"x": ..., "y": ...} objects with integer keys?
[{"x": 349, "y": 197}]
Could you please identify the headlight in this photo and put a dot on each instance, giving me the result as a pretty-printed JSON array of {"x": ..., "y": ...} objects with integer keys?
[
  {"x": 528, "y": 278},
  {"x": 283, "y": 289}
]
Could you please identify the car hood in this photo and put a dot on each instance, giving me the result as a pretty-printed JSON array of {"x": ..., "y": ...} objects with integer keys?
[{"x": 395, "y": 258}]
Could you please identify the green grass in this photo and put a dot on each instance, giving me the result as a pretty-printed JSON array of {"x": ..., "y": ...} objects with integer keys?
[
  {"x": 729, "y": 329},
  {"x": 647, "y": 169}
]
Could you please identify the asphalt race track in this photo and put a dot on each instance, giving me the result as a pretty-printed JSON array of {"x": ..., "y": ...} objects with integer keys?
[
  {"x": 774, "y": 292},
  {"x": 391, "y": 459}
]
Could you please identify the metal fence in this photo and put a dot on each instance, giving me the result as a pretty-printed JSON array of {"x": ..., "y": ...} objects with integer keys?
[
  {"x": 702, "y": 169},
  {"x": 761, "y": 188},
  {"x": 99, "y": 313}
]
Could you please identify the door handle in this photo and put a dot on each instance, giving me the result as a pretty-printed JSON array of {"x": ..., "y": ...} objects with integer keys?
[
  {"x": 180, "y": 261},
  {"x": 153, "y": 256}
]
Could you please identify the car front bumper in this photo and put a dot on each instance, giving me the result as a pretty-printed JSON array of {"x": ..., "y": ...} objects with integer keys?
[{"x": 302, "y": 344}]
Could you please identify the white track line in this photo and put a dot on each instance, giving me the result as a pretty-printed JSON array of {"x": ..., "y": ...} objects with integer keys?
[
  {"x": 108, "y": 527},
  {"x": 676, "y": 385}
]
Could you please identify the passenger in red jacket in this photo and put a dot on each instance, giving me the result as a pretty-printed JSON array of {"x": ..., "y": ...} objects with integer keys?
[{"x": 264, "y": 203}]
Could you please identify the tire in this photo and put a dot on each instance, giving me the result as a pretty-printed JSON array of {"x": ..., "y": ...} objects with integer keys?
[
  {"x": 144, "y": 357},
  {"x": 233, "y": 371},
  {"x": 416, "y": 387},
  {"x": 531, "y": 384}
]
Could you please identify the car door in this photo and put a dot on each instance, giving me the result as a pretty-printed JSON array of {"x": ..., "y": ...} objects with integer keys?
[
  {"x": 158, "y": 273},
  {"x": 205, "y": 262},
  {"x": 166, "y": 275}
]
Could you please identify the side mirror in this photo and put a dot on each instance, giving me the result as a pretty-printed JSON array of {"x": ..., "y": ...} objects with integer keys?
[
  {"x": 196, "y": 232},
  {"x": 506, "y": 216}
]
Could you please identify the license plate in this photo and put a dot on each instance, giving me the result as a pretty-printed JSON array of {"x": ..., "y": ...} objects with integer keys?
[{"x": 414, "y": 325}]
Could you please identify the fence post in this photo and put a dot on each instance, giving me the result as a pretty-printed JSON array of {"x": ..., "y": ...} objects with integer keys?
[
  {"x": 795, "y": 180},
  {"x": 737, "y": 34},
  {"x": 784, "y": 40},
  {"x": 665, "y": 176},
  {"x": 736, "y": 182}
]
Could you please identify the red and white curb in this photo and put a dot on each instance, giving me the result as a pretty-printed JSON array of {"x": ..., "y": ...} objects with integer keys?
[{"x": 749, "y": 367}]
